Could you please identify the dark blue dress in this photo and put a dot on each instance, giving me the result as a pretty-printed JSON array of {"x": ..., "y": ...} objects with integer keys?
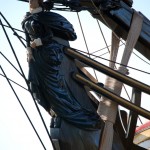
[{"x": 51, "y": 81}]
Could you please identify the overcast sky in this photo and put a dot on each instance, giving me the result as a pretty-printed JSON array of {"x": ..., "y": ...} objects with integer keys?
[{"x": 16, "y": 132}]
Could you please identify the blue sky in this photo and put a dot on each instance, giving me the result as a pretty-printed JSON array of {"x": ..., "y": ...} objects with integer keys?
[{"x": 16, "y": 132}]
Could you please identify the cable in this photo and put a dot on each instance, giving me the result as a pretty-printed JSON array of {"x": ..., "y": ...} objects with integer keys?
[
  {"x": 14, "y": 28},
  {"x": 23, "y": 108},
  {"x": 115, "y": 62},
  {"x": 85, "y": 40},
  {"x": 103, "y": 36},
  {"x": 14, "y": 82},
  {"x": 141, "y": 58},
  {"x": 10, "y": 27},
  {"x": 11, "y": 63}
]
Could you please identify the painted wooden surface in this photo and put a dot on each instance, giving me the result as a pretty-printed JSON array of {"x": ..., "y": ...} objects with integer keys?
[{"x": 142, "y": 136}]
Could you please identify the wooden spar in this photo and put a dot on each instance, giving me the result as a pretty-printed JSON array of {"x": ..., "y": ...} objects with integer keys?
[
  {"x": 108, "y": 71},
  {"x": 121, "y": 101}
]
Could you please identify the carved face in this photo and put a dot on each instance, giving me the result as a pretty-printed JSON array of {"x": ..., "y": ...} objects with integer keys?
[{"x": 34, "y": 4}]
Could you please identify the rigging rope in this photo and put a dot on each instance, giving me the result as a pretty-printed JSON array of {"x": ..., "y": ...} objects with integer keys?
[
  {"x": 22, "y": 107},
  {"x": 145, "y": 72},
  {"x": 14, "y": 82},
  {"x": 85, "y": 40},
  {"x": 103, "y": 35},
  {"x": 11, "y": 63}
]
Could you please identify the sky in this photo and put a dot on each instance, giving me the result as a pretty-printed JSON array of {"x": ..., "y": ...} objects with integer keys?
[{"x": 16, "y": 132}]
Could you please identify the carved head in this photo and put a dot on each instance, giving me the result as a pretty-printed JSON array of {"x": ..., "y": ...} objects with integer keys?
[{"x": 35, "y": 3}]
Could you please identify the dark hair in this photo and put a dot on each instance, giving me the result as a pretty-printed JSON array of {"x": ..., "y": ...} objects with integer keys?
[
  {"x": 47, "y": 4},
  {"x": 40, "y": 3}
]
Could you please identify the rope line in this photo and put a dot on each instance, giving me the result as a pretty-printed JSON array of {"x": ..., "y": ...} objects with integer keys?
[
  {"x": 115, "y": 62},
  {"x": 103, "y": 35},
  {"x": 14, "y": 82},
  {"x": 141, "y": 58},
  {"x": 85, "y": 40},
  {"x": 11, "y": 63},
  {"x": 22, "y": 107}
]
